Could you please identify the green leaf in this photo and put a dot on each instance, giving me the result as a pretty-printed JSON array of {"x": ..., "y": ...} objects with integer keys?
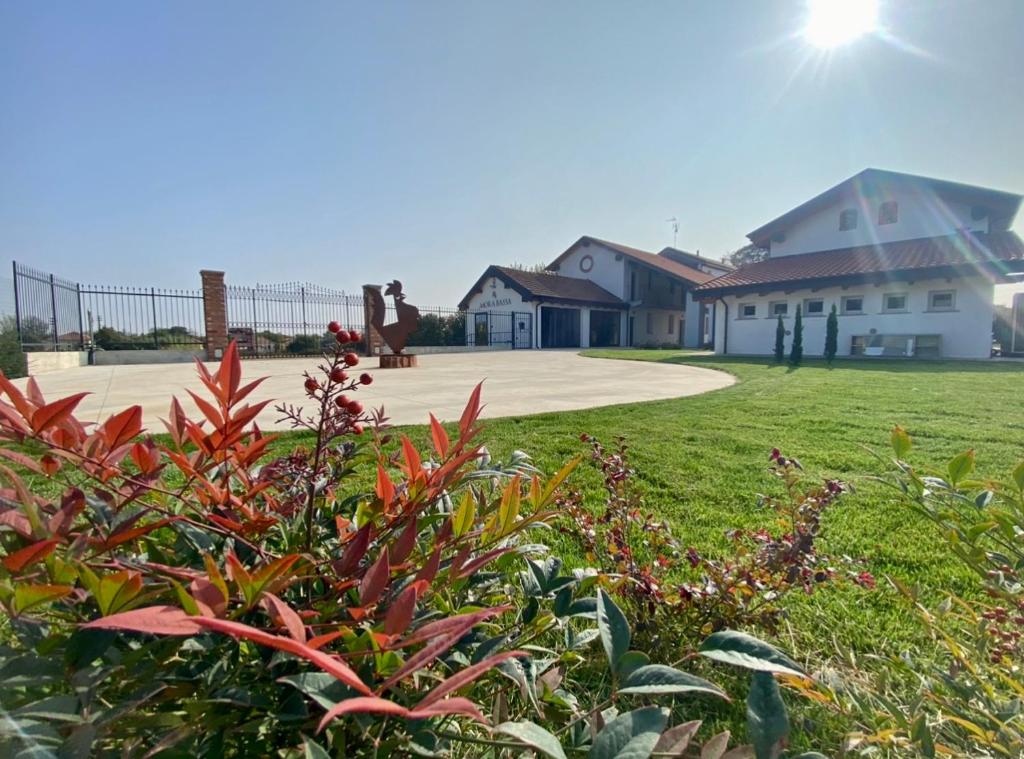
[
  {"x": 322, "y": 687},
  {"x": 658, "y": 678},
  {"x": 632, "y": 735},
  {"x": 742, "y": 650},
  {"x": 767, "y": 723},
  {"x": 465, "y": 516},
  {"x": 1018, "y": 476},
  {"x": 900, "y": 442},
  {"x": 534, "y": 736},
  {"x": 630, "y": 662},
  {"x": 960, "y": 466},
  {"x": 53, "y": 709},
  {"x": 313, "y": 750},
  {"x": 613, "y": 627}
]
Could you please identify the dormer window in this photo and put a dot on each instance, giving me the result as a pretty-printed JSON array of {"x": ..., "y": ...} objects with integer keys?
[
  {"x": 847, "y": 219},
  {"x": 888, "y": 212}
]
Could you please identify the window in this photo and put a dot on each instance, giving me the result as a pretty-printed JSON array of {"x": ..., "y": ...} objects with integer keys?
[
  {"x": 671, "y": 324},
  {"x": 888, "y": 212},
  {"x": 847, "y": 219},
  {"x": 853, "y": 304},
  {"x": 748, "y": 310},
  {"x": 814, "y": 307},
  {"x": 942, "y": 300},
  {"x": 894, "y": 303},
  {"x": 918, "y": 346},
  {"x": 632, "y": 285},
  {"x": 650, "y": 323},
  {"x": 778, "y": 308}
]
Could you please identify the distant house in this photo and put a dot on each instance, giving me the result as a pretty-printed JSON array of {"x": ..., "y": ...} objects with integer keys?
[
  {"x": 597, "y": 293},
  {"x": 909, "y": 262}
]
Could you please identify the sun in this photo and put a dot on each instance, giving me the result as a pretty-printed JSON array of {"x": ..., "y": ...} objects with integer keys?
[{"x": 831, "y": 23}]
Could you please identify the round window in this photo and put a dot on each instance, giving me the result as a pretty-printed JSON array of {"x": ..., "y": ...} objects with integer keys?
[{"x": 586, "y": 263}]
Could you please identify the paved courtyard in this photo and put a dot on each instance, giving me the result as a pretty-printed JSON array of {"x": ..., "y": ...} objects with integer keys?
[{"x": 515, "y": 383}]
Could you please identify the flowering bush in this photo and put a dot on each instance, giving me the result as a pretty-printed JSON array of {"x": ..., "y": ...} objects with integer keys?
[
  {"x": 193, "y": 597},
  {"x": 746, "y": 588}
]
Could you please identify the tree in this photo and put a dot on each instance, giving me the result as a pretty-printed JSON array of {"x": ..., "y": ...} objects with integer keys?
[
  {"x": 796, "y": 351},
  {"x": 748, "y": 254},
  {"x": 780, "y": 340},
  {"x": 541, "y": 268},
  {"x": 831, "y": 335},
  {"x": 12, "y": 360}
]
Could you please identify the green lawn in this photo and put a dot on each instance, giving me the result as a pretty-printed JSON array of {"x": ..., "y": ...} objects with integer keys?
[{"x": 701, "y": 461}]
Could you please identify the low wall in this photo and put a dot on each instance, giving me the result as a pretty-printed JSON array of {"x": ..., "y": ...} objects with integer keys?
[
  {"x": 118, "y": 358},
  {"x": 426, "y": 349},
  {"x": 42, "y": 362}
]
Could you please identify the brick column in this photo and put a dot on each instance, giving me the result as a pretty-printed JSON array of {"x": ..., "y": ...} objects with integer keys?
[
  {"x": 215, "y": 312},
  {"x": 374, "y": 340}
]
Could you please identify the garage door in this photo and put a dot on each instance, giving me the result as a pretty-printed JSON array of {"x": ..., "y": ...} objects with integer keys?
[{"x": 559, "y": 327}]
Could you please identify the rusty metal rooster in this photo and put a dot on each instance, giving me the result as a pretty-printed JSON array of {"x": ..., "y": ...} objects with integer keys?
[{"x": 397, "y": 333}]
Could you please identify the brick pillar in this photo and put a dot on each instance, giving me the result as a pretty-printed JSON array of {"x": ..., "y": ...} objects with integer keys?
[
  {"x": 374, "y": 340},
  {"x": 215, "y": 312}
]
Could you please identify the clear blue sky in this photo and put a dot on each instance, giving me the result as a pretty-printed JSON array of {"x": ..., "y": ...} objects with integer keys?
[{"x": 356, "y": 142}]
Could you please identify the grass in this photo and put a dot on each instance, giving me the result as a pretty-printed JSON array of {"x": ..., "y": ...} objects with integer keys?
[{"x": 701, "y": 462}]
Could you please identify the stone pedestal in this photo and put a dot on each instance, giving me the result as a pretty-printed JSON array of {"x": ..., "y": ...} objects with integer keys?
[{"x": 397, "y": 361}]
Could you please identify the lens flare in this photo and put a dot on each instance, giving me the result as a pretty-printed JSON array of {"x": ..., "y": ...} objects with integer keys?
[{"x": 831, "y": 23}]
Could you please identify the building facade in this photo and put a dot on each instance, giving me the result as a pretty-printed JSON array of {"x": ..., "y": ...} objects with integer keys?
[
  {"x": 909, "y": 263},
  {"x": 598, "y": 293}
]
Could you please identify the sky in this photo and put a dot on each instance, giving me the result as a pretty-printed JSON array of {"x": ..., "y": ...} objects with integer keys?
[{"x": 346, "y": 143}]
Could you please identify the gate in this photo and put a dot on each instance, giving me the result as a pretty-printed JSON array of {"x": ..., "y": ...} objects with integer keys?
[{"x": 493, "y": 328}]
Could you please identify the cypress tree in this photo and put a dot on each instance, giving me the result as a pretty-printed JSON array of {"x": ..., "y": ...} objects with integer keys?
[
  {"x": 780, "y": 339},
  {"x": 796, "y": 352},
  {"x": 831, "y": 335}
]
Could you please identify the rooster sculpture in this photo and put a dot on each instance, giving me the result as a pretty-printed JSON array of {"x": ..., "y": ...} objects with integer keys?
[{"x": 397, "y": 333}]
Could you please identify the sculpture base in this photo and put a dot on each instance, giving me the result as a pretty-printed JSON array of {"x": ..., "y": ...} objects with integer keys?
[{"x": 397, "y": 361}]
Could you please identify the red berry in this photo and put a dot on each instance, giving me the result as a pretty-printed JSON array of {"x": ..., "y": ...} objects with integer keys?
[
  {"x": 354, "y": 337},
  {"x": 351, "y": 359},
  {"x": 311, "y": 385},
  {"x": 342, "y": 401},
  {"x": 342, "y": 337},
  {"x": 355, "y": 408},
  {"x": 357, "y": 429},
  {"x": 366, "y": 379},
  {"x": 338, "y": 374},
  {"x": 333, "y": 326}
]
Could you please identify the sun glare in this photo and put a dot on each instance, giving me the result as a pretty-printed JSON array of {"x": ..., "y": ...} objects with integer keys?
[{"x": 831, "y": 23}]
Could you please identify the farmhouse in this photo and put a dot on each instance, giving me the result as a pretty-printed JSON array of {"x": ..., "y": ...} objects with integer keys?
[
  {"x": 909, "y": 263},
  {"x": 597, "y": 293}
]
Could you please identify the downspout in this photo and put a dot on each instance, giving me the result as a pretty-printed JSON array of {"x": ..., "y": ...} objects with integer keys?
[
  {"x": 725, "y": 328},
  {"x": 536, "y": 326}
]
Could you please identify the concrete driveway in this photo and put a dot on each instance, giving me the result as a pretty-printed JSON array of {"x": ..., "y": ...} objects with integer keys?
[{"x": 516, "y": 383}]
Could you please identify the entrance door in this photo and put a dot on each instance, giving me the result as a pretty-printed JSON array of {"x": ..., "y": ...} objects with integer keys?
[
  {"x": 481, "y": 329},
  {"x": 604, "y": 329},
  {"x": 559, "y": 327}
]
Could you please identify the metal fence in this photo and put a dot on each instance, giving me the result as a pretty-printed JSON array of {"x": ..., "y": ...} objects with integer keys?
[
  {"x": 289, "y": 319},
  {"x": 52, "y": 313},
  {"x": 490, "y": 328}
]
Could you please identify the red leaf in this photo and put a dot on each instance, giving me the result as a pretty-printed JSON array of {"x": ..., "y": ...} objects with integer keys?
[
  {"x": 375, "y": 579},
  {"x": 322, "y": 640},
  {"x": 286, "y": 616},
  {"x": 366, "y": 705},
  {"x": 159, "y": 620},
  {"x": 401, "y": 611},
  {"x": 446, "y": 625},
  {"x": 354, "y": 552},
  {"x": 405, "y": 543},
  {"x": 208, "y": 597},
  {"x": 127, "y": 535},
  {"x": 176, "y": 423},
  {"x": 440, "y": 437},
  {"x": 54, "y": 413},
  {"x": 50, "y": 465},
  {"x": 471, "y": 412},
  {"x": 429, "y": 570},
  {"x": 121, "y": 428},
  {"x": 17, "y": 521},
  {"x": 208, "y": 409},
  {"x": 385, "y": 488},
  {"x": 465, "y": 677},
  {"x": 450, "y": 706},
  {"x": 413, "y": 464},
  {"x": 21, "y": 460},
  {"x": 480, "y": 561},
  {"x": 29, "y": 555},
  {"x": 328, "y": 664},
  {"x": 229, "y": 375},
  {"x": 20, "y": 403},
  {"x": 439, "y": 644}
]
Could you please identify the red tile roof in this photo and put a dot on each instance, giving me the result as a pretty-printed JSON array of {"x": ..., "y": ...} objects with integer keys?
[
  {"x": 996, "y": 252},
  {"x": 673, "y": 268},
  {"x": 550, "y": 287}
]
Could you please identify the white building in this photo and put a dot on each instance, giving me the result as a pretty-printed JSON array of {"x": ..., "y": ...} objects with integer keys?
[
  {"x": 909, "y": 263},
  {"x": 595, "y": 294}
]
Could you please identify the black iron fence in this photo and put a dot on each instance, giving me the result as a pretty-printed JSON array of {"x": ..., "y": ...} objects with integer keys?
[
  {"x": 489, "y": 328},
  {"x": 55, "y": 314}
]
